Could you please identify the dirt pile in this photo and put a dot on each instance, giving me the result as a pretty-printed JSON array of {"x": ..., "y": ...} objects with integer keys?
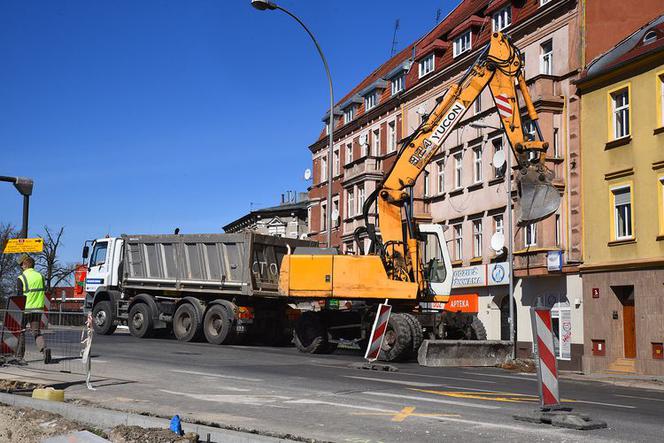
[
  {"x": 16, "y": 386},
  {"x": 30, "y": 425},
  {"x": 136, "y": 434},
  {"x": 520, "y": 365}
]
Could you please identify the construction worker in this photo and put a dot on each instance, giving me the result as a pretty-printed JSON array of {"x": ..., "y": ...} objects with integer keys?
[{"x": 31, "y": 286}]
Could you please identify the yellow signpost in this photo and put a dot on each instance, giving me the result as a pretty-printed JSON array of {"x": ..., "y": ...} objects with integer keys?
[{"x": 23, "y": 245}]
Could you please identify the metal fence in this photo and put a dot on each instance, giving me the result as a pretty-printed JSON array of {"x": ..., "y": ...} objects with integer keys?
[{"x": 63, "y": 334}]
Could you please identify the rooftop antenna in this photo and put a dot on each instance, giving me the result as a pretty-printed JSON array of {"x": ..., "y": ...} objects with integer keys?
[
  {"x": 394, "y": 39},
  {"x": 437, "y": 15}
]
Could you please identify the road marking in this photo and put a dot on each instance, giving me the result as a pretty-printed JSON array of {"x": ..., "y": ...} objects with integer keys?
[
  {"x": 208, "y": 374},
  {"x": 600, "y": 403},
  {"x": 474, "y": 380},
  {"x": 524, "y": 377},
  {"x": 254, "y": 400},
  {"x": 640, "y": 398},
  {"x": 306, "y": 401},
  {"x": 408, "y": 411},
  {"x": 396, "y": 382},
  {"x": 490, "y": 396},
  {"x": 432, "y": 400}
]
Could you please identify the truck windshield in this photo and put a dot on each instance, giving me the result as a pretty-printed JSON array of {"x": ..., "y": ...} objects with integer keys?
[
  {"x": 434, "y": 264},
  {"x": 99, "y": 254}
]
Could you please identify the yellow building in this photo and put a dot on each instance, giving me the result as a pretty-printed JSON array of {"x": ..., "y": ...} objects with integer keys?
[{"x": 622, "y": 161}]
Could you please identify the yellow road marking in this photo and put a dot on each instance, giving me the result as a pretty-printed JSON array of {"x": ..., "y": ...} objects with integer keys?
[
  {"x": 506, "y": 397},
  {"x": 408, "y": 411}
]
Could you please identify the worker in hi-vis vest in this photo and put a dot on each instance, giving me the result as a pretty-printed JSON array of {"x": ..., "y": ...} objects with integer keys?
[{"x": 31, "y": 286}]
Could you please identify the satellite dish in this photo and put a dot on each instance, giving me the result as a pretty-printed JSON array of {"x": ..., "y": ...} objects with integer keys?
[
  {"x": 421, "y": 110},
  {"x": 499, "y": 159},
  {"x": 335, "y": 214},
  {"x": 307, "y": 174},
  {"x": 497, "y": 242}
]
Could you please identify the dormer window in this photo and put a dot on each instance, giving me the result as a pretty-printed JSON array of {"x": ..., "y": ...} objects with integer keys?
[
  {"x": 349, "y": 114},
  {"x": 370, "y": 101},
  {"x": 462, "y": 43},
  {"x": 398, "y": 83},
  {"x": 650, "y": 37},
  {"x": 502, "y": 19},
  {"x": 426, "y": 65}
]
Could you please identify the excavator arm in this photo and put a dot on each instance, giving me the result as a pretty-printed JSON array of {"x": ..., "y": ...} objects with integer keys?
[{"x": 499, "y": 67}]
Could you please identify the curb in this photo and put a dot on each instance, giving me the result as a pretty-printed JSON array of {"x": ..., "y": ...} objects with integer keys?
[{"x": 104, "y": 418}]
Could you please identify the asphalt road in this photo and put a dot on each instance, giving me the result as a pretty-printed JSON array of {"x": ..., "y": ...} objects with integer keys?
[{"x": 278, "y": 390}]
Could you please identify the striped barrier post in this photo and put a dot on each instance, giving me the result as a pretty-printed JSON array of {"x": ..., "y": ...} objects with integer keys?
[
  {"x": 547, "y": 365},
  {"x": 378, "y": 332},
  {"x": 43, "y": 322},
  {"x": 12, "y": 325}
]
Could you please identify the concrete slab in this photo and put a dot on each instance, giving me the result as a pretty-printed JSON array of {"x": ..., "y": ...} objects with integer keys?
[
  {"x": 76, "y": 437},
  {"x": 454, "y": 353}
]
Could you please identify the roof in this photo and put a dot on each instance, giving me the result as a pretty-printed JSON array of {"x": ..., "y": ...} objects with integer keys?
[
  {"x": 300, "y": 206},
  {"x": 627, "y": 51}
]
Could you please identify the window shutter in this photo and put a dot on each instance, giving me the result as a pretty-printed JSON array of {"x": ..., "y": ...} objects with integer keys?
[{"x": 622, "y": 196}]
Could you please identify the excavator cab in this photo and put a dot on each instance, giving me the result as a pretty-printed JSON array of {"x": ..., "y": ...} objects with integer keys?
[{"x": 435, "y": 258}]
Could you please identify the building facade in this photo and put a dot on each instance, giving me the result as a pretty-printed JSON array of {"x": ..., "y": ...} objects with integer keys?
[
  {"x": 288, "y": 219},
  {"x": 461, "y": 188},
  {"x": 622, "y": 95}
]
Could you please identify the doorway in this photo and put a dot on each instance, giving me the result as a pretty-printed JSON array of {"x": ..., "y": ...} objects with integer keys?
[
  {"x": 625, "y": 295},
  {"x": 505, "y": 317}
]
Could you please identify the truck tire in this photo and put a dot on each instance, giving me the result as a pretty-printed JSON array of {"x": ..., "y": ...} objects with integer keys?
[
  {"x": 478, "y": 330},
  {"x": 187, "y": 323},
  {"x": 398, "y": 340},
  {"x": 218, "y": 325},
  {"x": 416, "y": 331},
  {"x": 102, "y": 314},
  {"x": 140, "y": 321},
  {"x": 309, "y": 335}
]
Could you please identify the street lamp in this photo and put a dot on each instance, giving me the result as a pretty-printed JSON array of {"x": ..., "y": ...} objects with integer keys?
[
  {"x": 510, "y": 234},
  {"x": 24, "y": 187},
  {"x": 263, "y": 5}
]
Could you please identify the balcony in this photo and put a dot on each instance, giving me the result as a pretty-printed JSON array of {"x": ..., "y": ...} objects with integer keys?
[{"x": 369, "y": 165}]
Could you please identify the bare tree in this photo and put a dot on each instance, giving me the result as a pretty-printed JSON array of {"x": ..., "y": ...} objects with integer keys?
[
  {"x": 47, "y": 262},
  {"x": 9, "y": 267}
]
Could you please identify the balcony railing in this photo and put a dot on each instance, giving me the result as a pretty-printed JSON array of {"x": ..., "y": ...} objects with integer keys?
[{"x": 364, "y": 165}]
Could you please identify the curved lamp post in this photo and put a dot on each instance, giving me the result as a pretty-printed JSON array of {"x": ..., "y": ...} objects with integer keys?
[
  {"x": 24, "y": 187},
  {"x": 263, "y": 5},
  {"x": 510, "y": 234}
]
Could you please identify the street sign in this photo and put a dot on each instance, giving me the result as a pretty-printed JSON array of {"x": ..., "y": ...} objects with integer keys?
[{"x": 23, "y": 245}]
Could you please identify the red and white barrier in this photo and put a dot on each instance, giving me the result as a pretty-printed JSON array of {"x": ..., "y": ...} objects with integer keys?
[
  {"x": 12, "y": 325},
  {"x": 378, "y": 332},
  {"x": 547, "y": 366}
]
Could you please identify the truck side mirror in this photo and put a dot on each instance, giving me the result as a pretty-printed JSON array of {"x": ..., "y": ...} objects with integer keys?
[{"x": 86, "y": 251}]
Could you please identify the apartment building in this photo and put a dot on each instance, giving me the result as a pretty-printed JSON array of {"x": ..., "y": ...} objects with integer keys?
[
  {"x": 622, "y": 97},
  {"x": 461, "y": 188}
]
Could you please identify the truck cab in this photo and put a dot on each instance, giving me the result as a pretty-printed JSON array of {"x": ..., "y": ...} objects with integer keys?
[{"x": 103, "y": 259}]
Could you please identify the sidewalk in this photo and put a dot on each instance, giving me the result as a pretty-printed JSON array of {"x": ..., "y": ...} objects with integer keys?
[{"x": 654, "y": 382}]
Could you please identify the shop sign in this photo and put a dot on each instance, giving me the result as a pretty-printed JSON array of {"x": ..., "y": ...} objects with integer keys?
[
  {"x": 565, "y": 333},
  {"x": 469, "y": 276},
  {"x": 554, "y": 261},
  {"x": 498, "y": 274},
  {"x": 463, "y": 303}
]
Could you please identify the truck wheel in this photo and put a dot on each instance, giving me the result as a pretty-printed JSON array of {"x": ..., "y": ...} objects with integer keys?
[
  {"x": 140, "y": 321},
  {"x": 218, "y": 325},
  {"x": 187, "y": 323},
  {"x": 103, "y": 318},
  {"x": 478, "y": 331},
  {"x": 398, "y": 341},
  {"x": 416, "y": 331},
  {"x": 309, "y": 335}
]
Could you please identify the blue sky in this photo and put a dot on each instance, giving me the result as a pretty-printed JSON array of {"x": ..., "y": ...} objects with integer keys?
[{"x": 139, "y": 116}]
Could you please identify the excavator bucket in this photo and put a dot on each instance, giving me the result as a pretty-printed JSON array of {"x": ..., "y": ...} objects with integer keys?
[{"x": 538, "y": 198}]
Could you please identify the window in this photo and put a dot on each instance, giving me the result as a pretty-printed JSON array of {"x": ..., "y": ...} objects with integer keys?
[
  {"x": 427, "y": 184},
  {"x": 660, "y": 86},
  {"x": 622, "y": 212},
  {"x": 360, "y": 199},
  {"x": 477, "y": 106},
  {"x": 327, "y": 128},
  {"x": 477, "y": 238},
  {"x": 370, "y": 101},
  {"x": 335, "y": 212},
  {"x": 556, "y": 143},
  {"x": 477, "y": 164},
  {"x": 544, "y": 2},
  {"x": 650, "y": 37},
  {"x": 462, "y": 44},
  {"x": 458, "y": 242},
  {"x": 530, "y": 133},
  {"x": 502, "y": 19},
  {"x": 323, "y": 216},
  {"x": 323, "y": 168},
  {"x": 349, "y": 114},
  {"x": 426, "y": 65},
  {"x": 497, "y": 147},
  {"x": 620, "y": 101},
  {"x": 558, "y": 230},
  {"x": 309, "y": 218},
  {"x": 530, "y": 235},
  {"x": 349, "y": 153},
  {"x": 546, "y": 57},
  {"x": 350, "y": 203},
  {"x": 376, "y": 143},
  {"x": 440, "y": 176},
  {"x": 278, "y": 230},
  {"x": 99, "y": 254},
  {"x": 458, "y": 170},
  {"x": 498, "y": 226},
  {"x": 337, "y": 163},
  {"x": 398, "y": 83},
  {"x": 391, "y": 137},
  {"x": 661, "y": 205}
]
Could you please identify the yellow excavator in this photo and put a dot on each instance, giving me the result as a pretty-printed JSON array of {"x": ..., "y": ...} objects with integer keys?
[{"x": 407, "y": 262}]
